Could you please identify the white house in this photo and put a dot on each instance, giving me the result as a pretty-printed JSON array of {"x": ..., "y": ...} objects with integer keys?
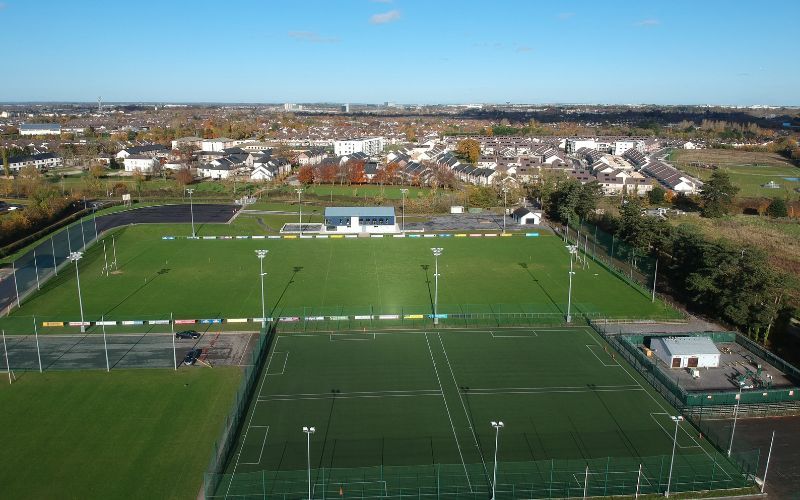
[
  {"x": 149, "y": 150},
  {"x": 355, "y": 220},
  {"x": 141, "y": 163},
  {"x": 524, "y": 217},
  {"x": 367, "y": 145},
  {"x": 194, "y": 142},
  {"x": 686, "y": 352},
  {"x": 40, "y": 129},
  {"x": 40, "y": 161},
  {"x": 217, "y": 144}
]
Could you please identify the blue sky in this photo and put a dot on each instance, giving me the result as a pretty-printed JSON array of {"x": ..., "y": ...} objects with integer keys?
[{"x": 425, "y": 51}]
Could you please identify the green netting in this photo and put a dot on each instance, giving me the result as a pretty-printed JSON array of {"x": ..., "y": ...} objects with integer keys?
[{"x": 539, "y": 479}]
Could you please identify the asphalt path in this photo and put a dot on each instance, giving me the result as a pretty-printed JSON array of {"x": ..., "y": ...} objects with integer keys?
[
  {"x": 180, "y": 214},
  {"x": 125, "y": 350}
]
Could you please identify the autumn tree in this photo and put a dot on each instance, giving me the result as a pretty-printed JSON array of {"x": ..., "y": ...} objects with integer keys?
[
  {"x": 184, "y": 176},
  {"x": 469, "y": 150},
  {"x": 355, "y": 172},
  {"x": 6, "y": 167},
  {"x": 305, "y": 175},
  {"x": 327, "y": 173},
  {"x": 718, "y": 194}
]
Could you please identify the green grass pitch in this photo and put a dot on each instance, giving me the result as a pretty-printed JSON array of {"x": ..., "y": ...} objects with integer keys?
[
  {"x": 416, "y": 398},
  {"x": 123, "y": 434},
  {"x": 219, "y": 278}
]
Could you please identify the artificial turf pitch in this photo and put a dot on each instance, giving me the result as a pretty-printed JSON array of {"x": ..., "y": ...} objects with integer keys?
[
  {"x": 220, "y": 278},
  {"x": 410, "y": 401}
]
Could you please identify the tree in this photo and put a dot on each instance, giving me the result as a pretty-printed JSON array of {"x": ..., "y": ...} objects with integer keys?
[
  {"x": 718, "y": 194},
  {"x": 184, "y": 176},
  {"x": 571, "y": 201},
  {"x": 6, "y": 167},
  {"x": 656, "y": 195},
  {"x": 96, "y": 171},
  {"x": 469, "y": 149},
  {"x": 355, "y": 172},
  {"x": 327, "y": 173},
  {"x": 305, "y": 175},
  {"x": 778, "y": 208}
]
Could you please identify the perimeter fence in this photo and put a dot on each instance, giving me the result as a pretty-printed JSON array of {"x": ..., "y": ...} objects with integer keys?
[
  {"x": 537, "y": 479},
  {"x": 225, "y": 444}
]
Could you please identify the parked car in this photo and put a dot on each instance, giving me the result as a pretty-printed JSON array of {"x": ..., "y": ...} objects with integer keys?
[
  {"x": 191, "y": 356},
  {"x": 187, "y": 334}
]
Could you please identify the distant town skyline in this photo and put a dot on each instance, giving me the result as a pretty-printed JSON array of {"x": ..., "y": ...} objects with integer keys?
[{"x": 403, "y": 51}]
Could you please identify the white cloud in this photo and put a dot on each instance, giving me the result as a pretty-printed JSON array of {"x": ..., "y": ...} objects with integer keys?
[
  {"x": 385, "y": 17},
  {"x": 311, "y": 36},
  {"x": 648, "y": 22}
]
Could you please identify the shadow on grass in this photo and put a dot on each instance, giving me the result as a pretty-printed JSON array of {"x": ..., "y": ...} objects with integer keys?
[
  {"x": 160, "y": 272},
  {"x": 295, "y": 270},
  {"x": 524, "y": 266},
  {"x": 425, "y": 268}
]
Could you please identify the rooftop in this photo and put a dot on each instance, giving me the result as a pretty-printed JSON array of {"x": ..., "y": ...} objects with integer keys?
[{"x": 359, "y": 211}]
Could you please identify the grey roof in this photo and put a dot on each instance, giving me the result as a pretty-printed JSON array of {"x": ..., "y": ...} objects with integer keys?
[
  {"x": 55, "y": 127},
  {"x": 689, "y": 346},
  {"x": 359, "y": 211}
]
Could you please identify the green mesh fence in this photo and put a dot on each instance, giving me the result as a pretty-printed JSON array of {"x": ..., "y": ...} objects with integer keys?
[
  {"x": 224, "y": 446},
  {"x": 538, "y": 479}
]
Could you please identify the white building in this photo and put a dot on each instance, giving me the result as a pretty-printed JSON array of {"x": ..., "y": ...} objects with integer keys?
[
  {"x": 217, "y": 144},
  {"x": 368, "y": 145},
  {"x": 142, "y": 163},
  {"x": 195, "y": 142},
  {"x": 620, "y": 147},
  {"x": 354, "y": 220},
  {"x": 525, "y": 217},
  {"x": 40, "y": 129},
  {"x": 686, "y": 352},
  {"x": 40, "y": 161},
  {"x": 573, "y": 145}
]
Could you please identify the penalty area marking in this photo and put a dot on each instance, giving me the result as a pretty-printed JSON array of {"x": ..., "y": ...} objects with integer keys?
[
  {"x": 263, "y": 444},
  {"x": 285, "y": 359},
  {"x": 589, "y": 346}
]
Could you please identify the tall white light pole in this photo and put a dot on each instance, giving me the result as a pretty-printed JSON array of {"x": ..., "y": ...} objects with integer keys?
[
  {"x": 436, "y": 253},
  {"x": 309, "y": 431},
  {"x": 505, "y": 209},
  {"x": 735, "y": 415},
  {"x": 655, "y": 276},
  {"x": 404, "y": 192},
  {"x": 573, "y": 250},
  {"x": 75, "y": 257},
  {"x": 497, "y": 426},
  {"x": 677, "y": 421},
  {"x": 261, "y": 254},
  {"x": 191, "y": 209},
  {"x": 299, "y": 191}
]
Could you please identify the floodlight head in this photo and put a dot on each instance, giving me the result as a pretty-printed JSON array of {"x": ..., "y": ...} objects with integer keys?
[
  {"x": 404, "y": 190},
  {"x": 309, "y": 430},
  {"x": 262, "y": 253},
  {"x": 677, "y": 419},
  {"x": 572, "y": 248},
  {"x": 498, "y": 425},
  {"x": 190, "y": 191},
  {"x": 75, "y": 256},
  {"x": 437, "y": 251},
  {"x": 298, "y": 190}
]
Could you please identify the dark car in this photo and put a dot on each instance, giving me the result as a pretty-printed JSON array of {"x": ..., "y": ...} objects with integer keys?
[
  {"x": 191, "y": 356},
  {"x": 187, "y": 334}
]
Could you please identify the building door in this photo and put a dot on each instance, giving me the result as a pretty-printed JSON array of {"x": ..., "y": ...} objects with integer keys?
[
  {"x": 676, "y": 362},
  {"x": 693, "y": 362}
]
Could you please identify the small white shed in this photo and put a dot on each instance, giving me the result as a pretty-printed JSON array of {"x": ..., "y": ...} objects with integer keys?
[
  {"x": 523, "y": 216},
  {"x": 686, "y": 352}
]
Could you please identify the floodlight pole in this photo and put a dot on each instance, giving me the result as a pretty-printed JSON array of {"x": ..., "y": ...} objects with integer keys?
[
  {"x": 300, "y": 206},
  {"x": 174, "y": 350},
  {"x": 36, "y": 268},
  {"x": 585, "y": 481},
  {"x": 261, "y": 254},
  {"x": 105, "y": 258},
  {"x": 83, "y": 237},
  {"x": 75, "y": 257},
  {"x": 5, "y": 350},
  {"x": 655, "y": 276},
  {"x": 572, "y": 251},
  {"x": 735, "y": 415},
  {"x": 16, "y": 287},
  {"x": 497, "y": 426},
  {"x": 105, "y": 344},
  {"x": 677, "y": 421},
  {"x": 191, "y": 210},
  {"x": 403, "y": 192},
  {"x": 766, "y": 469},
  {"x": 309, "y": 431},
  {"x": 114, "y": 246},
  {"x": 38, "y": 352},
  {"x": 55, "y": 264},
  {"x": 436, "y": 253},
  {"x": 505, "y": 202}
]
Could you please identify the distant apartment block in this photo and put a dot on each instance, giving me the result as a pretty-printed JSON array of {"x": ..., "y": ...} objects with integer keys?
[
  {"x": 367, "y": 145},
  {"x": 40, "y": 129},
  {"x": 40, "y": 161},
  {"x": 292, "y": 107},
  {"x": 219, "y": 144}
]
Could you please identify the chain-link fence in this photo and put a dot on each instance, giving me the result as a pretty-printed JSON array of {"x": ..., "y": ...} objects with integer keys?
[
  {"x": 30, "y": 271},
  {"x": 539, "y": 479}
]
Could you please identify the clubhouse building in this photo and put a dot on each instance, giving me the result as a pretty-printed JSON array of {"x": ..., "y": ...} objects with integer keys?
[{"x": 355, "y": 220}]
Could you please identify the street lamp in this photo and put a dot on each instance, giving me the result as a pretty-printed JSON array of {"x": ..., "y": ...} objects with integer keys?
[
  {"x": 261, "y": 254},
  {"x": 404, "y": 192},
  {"x": 505, "y": 209},
  {"x": 573, "y": 250},
  {"x": 299, "y": 191},
  {"x": 677, "y": 421},
  {"x": 75, "y": 257},
  {"x": 497, "y": 426},
  {"x": 191, "y": 210},
  {"x": 735, "y": 415},
  {"x": 309, "y": 431},
  {"x": 436, "y": 253}
]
